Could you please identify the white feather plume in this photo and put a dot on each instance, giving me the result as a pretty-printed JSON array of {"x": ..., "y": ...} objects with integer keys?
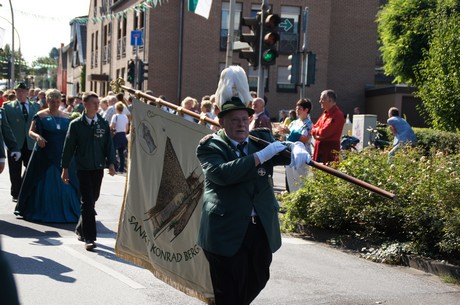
[{"x": 233, "y": 82}]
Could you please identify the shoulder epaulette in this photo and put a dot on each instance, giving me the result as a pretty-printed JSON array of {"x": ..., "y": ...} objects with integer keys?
[
  {"x": 206, "y": 139},
  {"x": 259, "y": 129}
]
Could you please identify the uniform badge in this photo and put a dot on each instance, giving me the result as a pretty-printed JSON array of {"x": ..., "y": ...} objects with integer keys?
[{"x": 261, "y": 171}]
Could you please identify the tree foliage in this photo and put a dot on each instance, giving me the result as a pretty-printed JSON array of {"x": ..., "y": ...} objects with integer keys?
[
  {"x": 439, "y": 74},
  {"x": 421, "y": 46},
  {"x": 404, "y": 35}
]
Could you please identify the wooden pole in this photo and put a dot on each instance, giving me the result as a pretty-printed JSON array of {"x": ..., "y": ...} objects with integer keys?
[{"x": 119, "y": 84}]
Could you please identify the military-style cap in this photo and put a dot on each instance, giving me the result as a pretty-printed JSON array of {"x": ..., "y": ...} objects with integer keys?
[
  {"x": 21, "y": 85},
  {"x": 234, "y": 104}
]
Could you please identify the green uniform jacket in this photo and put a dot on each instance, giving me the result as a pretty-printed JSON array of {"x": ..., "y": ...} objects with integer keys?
[
  {"x": 91, "y": 145},
  {"x": 6, "y": 136},
  {"x": 20, "y": 126},
  {"x": 233, "y": 188}
]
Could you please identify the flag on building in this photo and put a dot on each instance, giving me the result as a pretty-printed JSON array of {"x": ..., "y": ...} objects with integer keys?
[
  {"x": 161, "y": 209},
  {"x": 200, "y": 7}
]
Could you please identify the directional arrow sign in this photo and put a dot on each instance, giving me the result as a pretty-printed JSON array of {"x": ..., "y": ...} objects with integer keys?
[{"x": 287, "y": 24}]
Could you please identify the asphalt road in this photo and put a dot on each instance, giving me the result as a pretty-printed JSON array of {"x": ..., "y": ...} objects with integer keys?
[{"x": 51, "y": 267}]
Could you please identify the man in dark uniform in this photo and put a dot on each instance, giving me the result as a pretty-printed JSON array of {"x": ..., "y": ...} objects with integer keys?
[
  {"x": 239, "y": 228},
  {"x": 89, "y": 140},
  {"x": 19, "y": 114}
]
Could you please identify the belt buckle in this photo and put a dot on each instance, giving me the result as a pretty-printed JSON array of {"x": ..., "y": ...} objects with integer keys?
[{"x": 254, "y": 220}]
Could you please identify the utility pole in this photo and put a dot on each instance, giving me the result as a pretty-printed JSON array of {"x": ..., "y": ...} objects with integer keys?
[
  {"x": 260, "y": 76},
  {"x": 12, "y": 45},
  {"x": 230, "y": 34},
  {"x": 304, "y": 52}
]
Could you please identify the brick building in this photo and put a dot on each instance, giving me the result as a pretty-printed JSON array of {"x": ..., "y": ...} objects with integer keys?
[{"x": 186, "y": 52}]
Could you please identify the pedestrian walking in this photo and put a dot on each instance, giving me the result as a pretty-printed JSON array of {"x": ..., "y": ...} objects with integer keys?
[
  {"x": 89, "y": 140},
  {"x": 19, "y": 114},
  {"x": 239, "y": 228}
]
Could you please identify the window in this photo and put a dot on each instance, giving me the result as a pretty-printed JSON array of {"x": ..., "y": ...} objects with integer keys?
[
  {"x": 224, "y": 24},
  {"x": 289, "y": 29},
  {"x": 283, "y": 84},
  {"x": 253, "y": 76}
]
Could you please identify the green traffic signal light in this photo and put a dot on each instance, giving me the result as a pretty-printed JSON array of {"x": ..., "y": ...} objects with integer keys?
[{"x": 269, "y": 56}]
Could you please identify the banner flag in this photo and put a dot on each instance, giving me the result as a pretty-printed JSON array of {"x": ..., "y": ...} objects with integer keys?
[
  {"x": 200, "y": 7},
  {"x": 160, "y": 216}
]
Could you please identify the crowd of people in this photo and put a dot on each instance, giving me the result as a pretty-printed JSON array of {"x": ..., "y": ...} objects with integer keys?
[{"x": 57, "y": 150}]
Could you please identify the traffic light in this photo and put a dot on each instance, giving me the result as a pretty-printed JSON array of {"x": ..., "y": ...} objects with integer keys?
[
  {"x": 140, "y": 71},
  {"x": 311, "y": 68},
  {"x": 131, "y": 71},
  {"x": 5, "y": 70},
  {"x": 295, "y": 67},
  {"x": 271, "y": 37},
  {"x": 252, "y": 38}
]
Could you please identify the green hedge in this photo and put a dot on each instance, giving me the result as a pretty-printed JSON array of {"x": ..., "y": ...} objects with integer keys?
[{"x": 425, "y": 214}]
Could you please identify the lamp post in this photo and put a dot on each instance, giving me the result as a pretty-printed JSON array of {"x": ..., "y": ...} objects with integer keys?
[{"x": 12, "y": 45}]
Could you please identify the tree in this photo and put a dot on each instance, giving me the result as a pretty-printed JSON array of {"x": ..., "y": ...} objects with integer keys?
[
  {"x": 438, "y": 75},
  {"x": 404, "y": 30}
]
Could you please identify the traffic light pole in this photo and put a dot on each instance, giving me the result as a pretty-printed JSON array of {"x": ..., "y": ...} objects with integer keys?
[
  {"x": 230, "y": 34},
  {"x": 260, "y": 76},
  {"x": 304, "y": 53},
  {"x": 136, "y": 64}
]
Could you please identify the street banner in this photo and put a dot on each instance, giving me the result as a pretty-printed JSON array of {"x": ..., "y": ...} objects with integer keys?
[{"x": 160, "y": 216}]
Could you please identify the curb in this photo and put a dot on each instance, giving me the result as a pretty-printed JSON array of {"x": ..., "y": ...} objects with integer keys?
[{"x": 439, "y": 268}]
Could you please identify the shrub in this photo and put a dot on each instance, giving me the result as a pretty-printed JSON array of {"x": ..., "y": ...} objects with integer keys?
[{"x": 425, "y": 214}]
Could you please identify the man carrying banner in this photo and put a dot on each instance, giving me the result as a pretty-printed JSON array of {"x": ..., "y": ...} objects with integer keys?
[{"x": 239, "y": 228}]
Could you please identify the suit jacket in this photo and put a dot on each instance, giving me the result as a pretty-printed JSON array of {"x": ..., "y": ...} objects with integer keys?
[
  {"x": 6, "y": 136},
  {"x": 262, "y": 121},
  {"x": 233, "y": 188},
  {"x": 20, "y": 127}
]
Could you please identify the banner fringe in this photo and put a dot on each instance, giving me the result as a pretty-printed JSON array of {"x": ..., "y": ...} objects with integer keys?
[{"x": 162, "y": 276}]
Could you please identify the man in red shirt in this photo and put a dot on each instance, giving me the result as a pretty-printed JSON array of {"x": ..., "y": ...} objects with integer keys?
[{"x": 327, "y": 131}]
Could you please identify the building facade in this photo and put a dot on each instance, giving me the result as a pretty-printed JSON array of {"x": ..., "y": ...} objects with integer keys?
[{"x": 186, "y": 52}]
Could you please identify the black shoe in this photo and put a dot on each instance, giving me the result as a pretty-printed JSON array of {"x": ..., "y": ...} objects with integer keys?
[
  {"x": 90, "y": 245},
  {"x": 79, "y": 237}
]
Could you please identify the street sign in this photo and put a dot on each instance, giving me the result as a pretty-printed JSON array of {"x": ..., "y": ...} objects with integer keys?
[
  {"x": 287, "y": 25},
  {"x": 136, "y": 38}
]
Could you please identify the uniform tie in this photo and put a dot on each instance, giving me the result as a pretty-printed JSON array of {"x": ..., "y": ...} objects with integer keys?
[
  {"x": 24, "y": 111},
  {"x": 240, "y": 147}
]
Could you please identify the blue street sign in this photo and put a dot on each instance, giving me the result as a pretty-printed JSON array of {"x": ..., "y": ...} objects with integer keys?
[{"x": 136, "y": 38}]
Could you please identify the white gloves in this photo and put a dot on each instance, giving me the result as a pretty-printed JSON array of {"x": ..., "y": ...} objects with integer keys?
[
  {"x": 268, "y": 152},
  {"x": 299, "y": 155},
  {"x": 16, "y": 155}
]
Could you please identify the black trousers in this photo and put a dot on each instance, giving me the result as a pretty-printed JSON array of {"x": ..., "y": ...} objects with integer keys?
[
  {"x": 90, "y": 187},
  {"x": 237, "y": 280},
  {"x": 15, "y": 169}
]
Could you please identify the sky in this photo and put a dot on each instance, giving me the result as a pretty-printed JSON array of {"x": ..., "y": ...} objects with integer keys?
[{"x": 40, "y": 24}]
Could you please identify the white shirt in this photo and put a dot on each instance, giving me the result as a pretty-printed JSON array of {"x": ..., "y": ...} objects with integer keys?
[{"x": 121, "y": 122}]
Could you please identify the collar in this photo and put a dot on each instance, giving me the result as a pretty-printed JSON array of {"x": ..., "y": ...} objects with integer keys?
[
  {"x": 88, "y": 120},
  {"x": 332, "y": 110},
  {"x": 229, "y": 140}
]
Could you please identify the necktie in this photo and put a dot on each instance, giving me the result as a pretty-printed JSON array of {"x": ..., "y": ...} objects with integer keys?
[
  {"x": 241, "y": 149},
  {"x": 24, "y": 111}
]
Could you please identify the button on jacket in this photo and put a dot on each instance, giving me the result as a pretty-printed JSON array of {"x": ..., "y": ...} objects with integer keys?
[{"x": 95, "y": 146}]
